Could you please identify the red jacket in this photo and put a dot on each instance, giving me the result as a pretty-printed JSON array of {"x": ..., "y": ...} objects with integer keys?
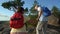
[{"x": 17, "y": 20}]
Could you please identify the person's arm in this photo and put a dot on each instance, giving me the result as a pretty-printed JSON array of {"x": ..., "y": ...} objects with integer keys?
[{"x": 39, "y": 13}]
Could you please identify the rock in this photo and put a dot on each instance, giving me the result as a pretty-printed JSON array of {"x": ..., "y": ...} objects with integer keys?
[
  {"x": 52, "y": 31},
  {"x": 52, "y": 20},
  {"x": 6, "y": 31}
]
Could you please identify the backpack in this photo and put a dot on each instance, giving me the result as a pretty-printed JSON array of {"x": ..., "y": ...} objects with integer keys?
[
  {"x": 17, "y": 21},
  {"x": 46, "y": 11}
]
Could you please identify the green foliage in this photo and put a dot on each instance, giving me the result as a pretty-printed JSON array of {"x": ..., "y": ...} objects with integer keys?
[
  {"x": 13, "y": 4},
  {"x": 56, "y": 12},
  {"x": 26, "y": 10},
  {"x": 6, "y": 5},
  {"x": 33, "y": 11},
  {"x": 32, "y": 8},
  {"x": 33, "y": 15},
  {"x": 19, "y": 3}
]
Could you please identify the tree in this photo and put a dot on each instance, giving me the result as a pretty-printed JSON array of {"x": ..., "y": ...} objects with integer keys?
[
  {"x": 12, "y": 5},
  {"x": 33, "y": 14},
  {"x": 32, "y": 8},
  {"x": 26, "y": 10},
  {"x": 56, "y": 13}
]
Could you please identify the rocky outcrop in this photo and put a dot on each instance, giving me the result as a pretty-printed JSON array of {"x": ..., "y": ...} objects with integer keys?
[
  {"x": 4, "y": 28},
  {"x": 52, "y": 20}
]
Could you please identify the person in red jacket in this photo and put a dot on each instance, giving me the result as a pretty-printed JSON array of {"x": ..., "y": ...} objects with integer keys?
[{"x": 17, "y": 22}]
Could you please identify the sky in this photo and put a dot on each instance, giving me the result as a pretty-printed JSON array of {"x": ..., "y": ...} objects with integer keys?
[{"x": 29, "y": 4}]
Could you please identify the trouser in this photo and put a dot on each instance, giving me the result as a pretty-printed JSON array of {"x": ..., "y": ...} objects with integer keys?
[{"x": 41, "y": 26}]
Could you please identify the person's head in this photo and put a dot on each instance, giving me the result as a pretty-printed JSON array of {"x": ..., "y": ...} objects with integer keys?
[
  {"x": 36, "y": 7},
  {"x": 20, "y": 9}
]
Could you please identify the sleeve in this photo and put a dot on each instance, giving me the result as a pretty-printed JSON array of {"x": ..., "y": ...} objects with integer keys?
[{"x": 39, "y": 10}]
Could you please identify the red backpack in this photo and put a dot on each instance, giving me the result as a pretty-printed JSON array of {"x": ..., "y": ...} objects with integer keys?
[{"x": 17, "y": 20}]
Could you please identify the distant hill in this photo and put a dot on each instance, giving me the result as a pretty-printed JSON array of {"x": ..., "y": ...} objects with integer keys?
[{"x": 4, "y": 17}]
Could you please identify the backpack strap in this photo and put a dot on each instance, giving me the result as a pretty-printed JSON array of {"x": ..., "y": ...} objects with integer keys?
[{"x": 15, "y": 19}]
